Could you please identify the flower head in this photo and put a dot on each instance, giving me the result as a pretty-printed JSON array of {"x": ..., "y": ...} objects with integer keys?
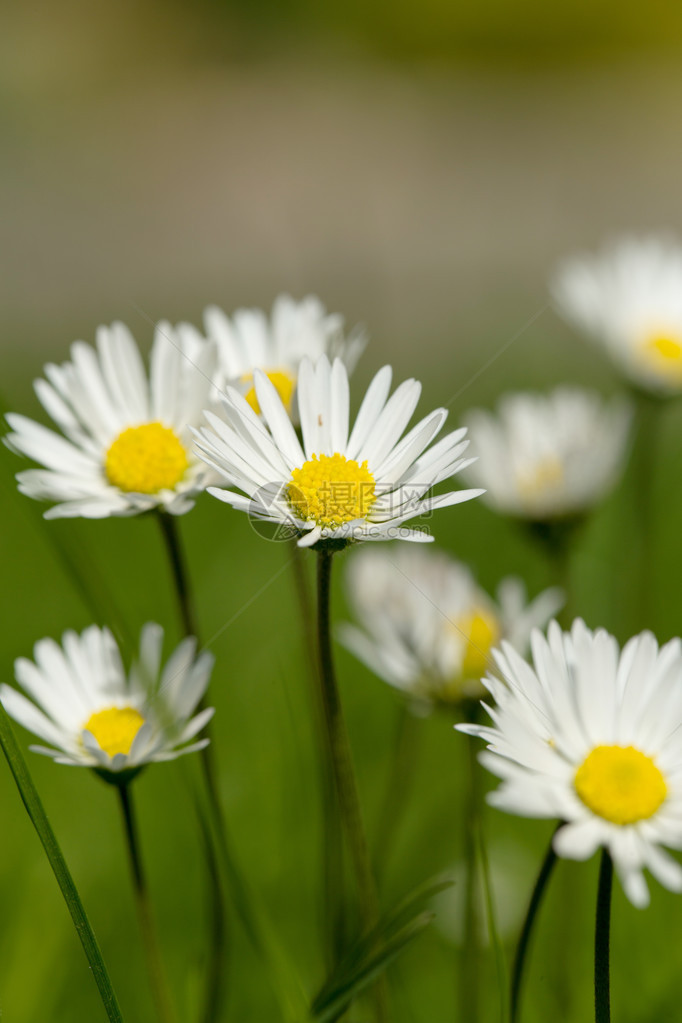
[
  {"x": 125, "y": 447},
  {"x": 338, "y": 485},
  {"x": 592, "y": 735},
  {"x": 249, "y": 340},
  {"x": 628, "y": 298},
  {"x": 547, "y": 457},
  {"x": 427, "y": 628},
  {"x": 94, "y": 714}
]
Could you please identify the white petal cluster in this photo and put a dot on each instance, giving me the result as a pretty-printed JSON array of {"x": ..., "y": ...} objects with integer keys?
[
  {"x": 545, "y": 457},
  {"x": 250, "y": 340},
  {"x": 258, "y": 455},
  {"x": 67, "y": 684},
  {"x": 582, "y": 693},
  {"x": 628, "y": 298},
  {"x": 426, "y": 627},
  {"x": 96, "y": 396}
]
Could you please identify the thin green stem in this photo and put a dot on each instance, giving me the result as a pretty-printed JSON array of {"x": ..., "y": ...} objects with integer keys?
[
  {"x": 36, "y": 812},
  {"x": 216, "y": 970},
  {"x": 527, "y": 930},
  {"x": 339, "y": 752},
  {"x": 602, "y": 986},
  {"x": 333, "y": 914},
  {"x": 469, "y": 959},
  {"x": 178, "y": 562},
  {"x": 150, "y": 941},
  {"x": 493, "y": 931}
]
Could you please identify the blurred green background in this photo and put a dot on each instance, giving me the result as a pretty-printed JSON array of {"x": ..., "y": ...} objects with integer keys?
[{"x": 421, "y": 169}]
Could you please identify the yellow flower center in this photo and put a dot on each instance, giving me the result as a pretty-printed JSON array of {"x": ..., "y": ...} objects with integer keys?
[
  {"x": 620, "y": 784},
  {"x": 482, "y": 631},
  {"x": 331, "y": 490},
  {"x": 545, "y": 476},
  {"x": 664, "y": 352},
  {"x": 145, "y": 459},
  {"x": 115, "y": 728},
  {"x": 282, "y": 381}
]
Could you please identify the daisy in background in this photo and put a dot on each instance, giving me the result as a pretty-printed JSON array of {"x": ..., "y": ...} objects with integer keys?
[
  {"x": 628, "y": 298},
  {"x": 592, "y": 736},
  {"x": 250, "y": 340},
  {"x": 428, "y": 628},
  {"x": 95, "y": 714},
  {"x": 551, "y": 457},
  {"x": 125, "y": 443},
  {"x": 339, "y": 484}
]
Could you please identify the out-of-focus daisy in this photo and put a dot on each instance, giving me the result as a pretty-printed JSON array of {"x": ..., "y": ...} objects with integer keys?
[
  {"x": 628, "y": 298},
  {"x": 335, "y": 486},
  {"x": 546, "y": 457},
  {"x": 250, "y": 340},
  {"x": 592, "y": 736},
  {"x": 95, "y": 714},
  {"x": 126, "y": 446},
  {"x": 427, "y": 627}
]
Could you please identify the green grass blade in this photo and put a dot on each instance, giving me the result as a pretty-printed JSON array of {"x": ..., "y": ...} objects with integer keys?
[{"x": 34, "y": 808}]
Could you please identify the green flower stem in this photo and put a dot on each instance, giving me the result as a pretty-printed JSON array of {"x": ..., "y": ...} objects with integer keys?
[
  {"x": 252, "y": 915},
  {"x": 216, "y": 970},
  {"x": 493, "y": 931},
  {"x": 157, "y": 978},
  {"x": 333, "y": 910},
  {"x": 556, "y": 538},
  {"x": 527, "y": 930},
  {"x": 178, "y": 562},
  {"x": 471, "y": 948},
  {"x": 34, "y": 808},
  {"x": 339, "y": 752},
  {"x": 602, "y": 987}
]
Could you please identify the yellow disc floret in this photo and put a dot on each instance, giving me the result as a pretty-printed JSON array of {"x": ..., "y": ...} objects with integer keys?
[
  {"x": 115, "y": 728},
  {"x": 331, "y": 490},
  {"x": 620, "y": 784},
  {"x": 544, "y": 477},
  {"x": 146, "y": 459},
  {"x": 664, "y": 352},
  {"x": 282, "y": 381},
  {"x": 482, "y": 631}
]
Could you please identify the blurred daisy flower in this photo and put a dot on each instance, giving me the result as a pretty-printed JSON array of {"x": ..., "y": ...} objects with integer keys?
[
  {"x": 428, "y": 628},
  {"x": 249, "y": 340},
  {"x": 126, "y": 446},
  {"x": 629, "y": 299},
  {"x": 94, "y": 714},
  {"x": 334, "y": 486},
  {"x": 548, "y": 457},
  {"x": 592, "y": 736}
]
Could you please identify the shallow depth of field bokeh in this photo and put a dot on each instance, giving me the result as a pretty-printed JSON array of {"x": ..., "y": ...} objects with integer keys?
[{"x": 421, "y": 171}]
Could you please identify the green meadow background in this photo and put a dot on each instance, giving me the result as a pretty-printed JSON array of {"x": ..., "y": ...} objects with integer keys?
[{"x": 421, "y": 169}]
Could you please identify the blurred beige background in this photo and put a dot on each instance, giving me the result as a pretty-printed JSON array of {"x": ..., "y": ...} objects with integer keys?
[{"x": 160, "y": 157}]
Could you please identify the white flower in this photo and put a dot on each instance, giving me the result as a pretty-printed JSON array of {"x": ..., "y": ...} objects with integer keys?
[
  {"x": 335, "y": 486},
  {"x": 593, "y": 736},
  {"x": 126, "y": 446},
  {"x": 544, "y": 457},
  {"x": 427, "y": 627},
  {"x": 249, "y": 340},
  {"x": 629, "y": 299},
  {"x": 93, "y": 714}
]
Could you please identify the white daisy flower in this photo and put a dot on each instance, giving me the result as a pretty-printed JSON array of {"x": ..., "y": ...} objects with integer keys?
[
  {"x": 629, "y": 299},
  {"x": 95, "y": 715},
  {"x": 334, "y": 486},
  {"x": 592, "y": 736},
  {"x": 428, "y": 628},
  {"x": 249, "y": 340},
  {"x": 546, "y": 457},
  {"x": 126, "y": 447}
]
